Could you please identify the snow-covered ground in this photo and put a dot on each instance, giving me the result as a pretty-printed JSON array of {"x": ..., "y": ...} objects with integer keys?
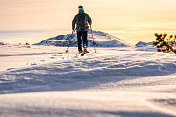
[{"x": 44, "y": 81}]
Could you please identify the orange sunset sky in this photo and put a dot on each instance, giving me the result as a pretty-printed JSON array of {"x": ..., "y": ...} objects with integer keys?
[{"x": 130, "y": 20}]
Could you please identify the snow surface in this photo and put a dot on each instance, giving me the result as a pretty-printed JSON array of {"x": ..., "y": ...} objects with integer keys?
[{"x": 44, "y": 81}]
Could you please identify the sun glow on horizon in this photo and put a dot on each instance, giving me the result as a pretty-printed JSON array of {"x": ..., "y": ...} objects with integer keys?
[{"x": 130, "y": 20}]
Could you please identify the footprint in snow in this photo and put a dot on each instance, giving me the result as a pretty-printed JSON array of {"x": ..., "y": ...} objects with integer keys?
[
  {"x": 52, "y": 57},
  {"x": 33, "y": 64},
  {"x": 10, "y": 68},
  {"x": 42, "y": 60},
  {"x": 59, "y": 53}
]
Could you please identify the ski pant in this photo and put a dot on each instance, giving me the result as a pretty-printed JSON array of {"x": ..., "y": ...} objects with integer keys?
[{"x": 82, "y": 36}]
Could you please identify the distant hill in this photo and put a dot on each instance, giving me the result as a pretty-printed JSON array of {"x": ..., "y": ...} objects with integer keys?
[
  {"x": 141, "y": 43},
  {"x": 101, "y": 40}
]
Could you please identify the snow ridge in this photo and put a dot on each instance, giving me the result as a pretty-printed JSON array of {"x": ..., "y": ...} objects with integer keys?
[{"x": 101, "y": 39}]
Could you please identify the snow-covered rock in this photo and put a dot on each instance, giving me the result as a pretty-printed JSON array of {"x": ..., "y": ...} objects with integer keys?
[{"x": 101, "y": 39}]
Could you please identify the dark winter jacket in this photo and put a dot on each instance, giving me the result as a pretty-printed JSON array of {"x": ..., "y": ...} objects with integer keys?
[{"x": 75, "y": 21}]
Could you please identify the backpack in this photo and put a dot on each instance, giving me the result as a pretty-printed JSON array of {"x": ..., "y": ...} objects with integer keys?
[{"x": 82, "y": 21}]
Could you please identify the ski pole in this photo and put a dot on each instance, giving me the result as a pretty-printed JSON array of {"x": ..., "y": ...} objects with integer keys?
[
  {"x": 93, "y": 41},
  {"x": 69, "y": 41}
]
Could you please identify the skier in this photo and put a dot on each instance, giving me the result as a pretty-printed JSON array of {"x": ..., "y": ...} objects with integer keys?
[{"x": 81, "y": 20}]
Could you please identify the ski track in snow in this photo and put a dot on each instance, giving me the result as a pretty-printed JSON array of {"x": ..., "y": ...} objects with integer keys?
[{"x": 126, "y": 82}]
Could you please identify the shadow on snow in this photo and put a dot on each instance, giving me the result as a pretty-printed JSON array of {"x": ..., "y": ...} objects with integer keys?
[{"x": 80, "y": 74}]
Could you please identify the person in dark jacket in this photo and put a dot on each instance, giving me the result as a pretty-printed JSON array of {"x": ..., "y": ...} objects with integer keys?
[{"x": 82, "y": 20}]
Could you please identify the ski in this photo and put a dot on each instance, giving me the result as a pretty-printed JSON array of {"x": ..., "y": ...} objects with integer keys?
[{"x": 82, "y": 54}]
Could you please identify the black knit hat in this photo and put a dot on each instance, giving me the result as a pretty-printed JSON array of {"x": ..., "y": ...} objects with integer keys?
[{"x": 80, "y": 7}]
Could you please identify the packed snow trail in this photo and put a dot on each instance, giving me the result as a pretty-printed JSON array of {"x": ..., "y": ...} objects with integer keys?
[{"x": 126, "y": 82}]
